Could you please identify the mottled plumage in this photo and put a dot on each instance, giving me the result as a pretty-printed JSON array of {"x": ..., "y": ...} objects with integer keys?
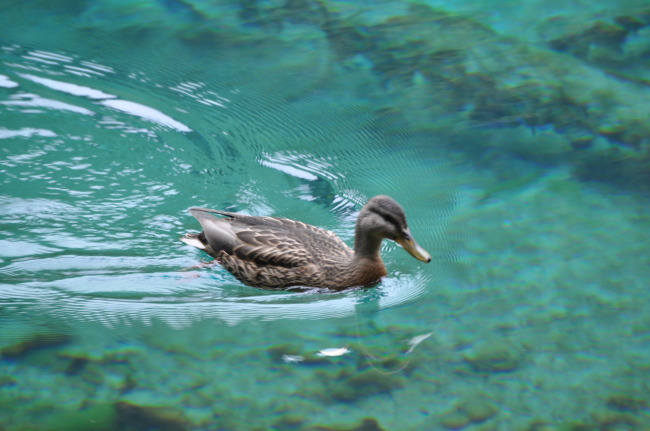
[{"x": 272, "y": 252}]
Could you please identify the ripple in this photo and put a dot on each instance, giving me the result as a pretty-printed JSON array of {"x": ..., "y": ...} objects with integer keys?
[
  {"x": 179, "y": 299},
  {"x": 10, "y": 248}
]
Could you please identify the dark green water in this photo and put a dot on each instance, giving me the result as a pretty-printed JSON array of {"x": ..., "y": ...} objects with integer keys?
[{"x": 515, "y": 138}]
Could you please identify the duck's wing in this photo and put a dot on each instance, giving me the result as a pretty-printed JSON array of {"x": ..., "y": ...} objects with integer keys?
[{"x": 269, "y": 240}]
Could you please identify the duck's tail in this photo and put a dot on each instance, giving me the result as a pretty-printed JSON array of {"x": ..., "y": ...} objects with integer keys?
[{"x": 193, "y": 240}]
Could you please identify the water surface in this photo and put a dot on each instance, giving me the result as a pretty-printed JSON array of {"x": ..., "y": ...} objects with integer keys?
[{"x": 517, "y": 153}]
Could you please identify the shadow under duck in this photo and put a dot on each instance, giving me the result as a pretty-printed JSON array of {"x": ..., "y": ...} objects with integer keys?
[{"x": 271, "y": 252}]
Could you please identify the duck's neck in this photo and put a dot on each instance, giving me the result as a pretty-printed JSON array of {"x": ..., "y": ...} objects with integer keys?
[
  {"x": 367, "y": 246},
  {"x": 366, "y": 266}
]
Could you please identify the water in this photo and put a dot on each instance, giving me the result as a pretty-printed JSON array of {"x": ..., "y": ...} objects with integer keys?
[{"x": 514, "y": 137}]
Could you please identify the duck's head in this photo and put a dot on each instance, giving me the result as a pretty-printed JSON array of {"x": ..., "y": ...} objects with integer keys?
[{"x": 381, "y": 218}]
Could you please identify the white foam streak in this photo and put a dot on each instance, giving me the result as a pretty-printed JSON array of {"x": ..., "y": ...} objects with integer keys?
[
  {"x": 146, "y": 113},
  {"x": 5, "y": 82},
  {"x": 66, "y": 87}
]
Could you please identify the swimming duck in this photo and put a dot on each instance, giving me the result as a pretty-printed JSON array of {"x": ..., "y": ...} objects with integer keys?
[{"x": 275, "y": 253}]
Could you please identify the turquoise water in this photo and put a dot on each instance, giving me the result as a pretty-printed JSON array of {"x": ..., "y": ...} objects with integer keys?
[{"x": 515, "y": 135}]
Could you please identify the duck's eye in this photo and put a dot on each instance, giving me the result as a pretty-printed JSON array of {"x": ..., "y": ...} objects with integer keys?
[{"x": 391, "y": 220}]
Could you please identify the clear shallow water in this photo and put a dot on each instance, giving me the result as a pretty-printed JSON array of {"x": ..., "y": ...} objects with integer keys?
[{"x": 533, "y": 312}]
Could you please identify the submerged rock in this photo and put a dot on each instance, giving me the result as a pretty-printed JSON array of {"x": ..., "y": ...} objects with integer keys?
[{"x": 33, "y": 343}]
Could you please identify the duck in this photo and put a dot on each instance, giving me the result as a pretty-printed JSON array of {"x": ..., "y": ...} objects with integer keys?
[{"x": 279, "y": 253}]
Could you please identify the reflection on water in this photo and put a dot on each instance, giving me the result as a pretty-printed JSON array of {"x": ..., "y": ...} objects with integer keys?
[{"x": 516, "y": 141}]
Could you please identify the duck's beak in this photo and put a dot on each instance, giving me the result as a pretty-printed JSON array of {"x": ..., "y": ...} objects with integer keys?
[{"x": 409, "y": 244}]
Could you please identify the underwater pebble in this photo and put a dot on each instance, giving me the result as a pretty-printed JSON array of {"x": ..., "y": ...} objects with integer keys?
[
  {"x": 7, "y": 381},
  {"x": 624, "y": 403},
  {"x": 478, "y": 411},
  {"x": 615, "y": 421},
  {"x": 199, "y": 398},
  {"x": 289, "y": 422},
  {"x": 368, "y": 424},
  {"x": 138, "y": 417},
  {"x": 494, "y": 356},
  {"x": 349, "y": 387},
  {"x": 470, "y": 411},
  {"x": 454, "y": 420},
  {"x": 541, "y": 426}
]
